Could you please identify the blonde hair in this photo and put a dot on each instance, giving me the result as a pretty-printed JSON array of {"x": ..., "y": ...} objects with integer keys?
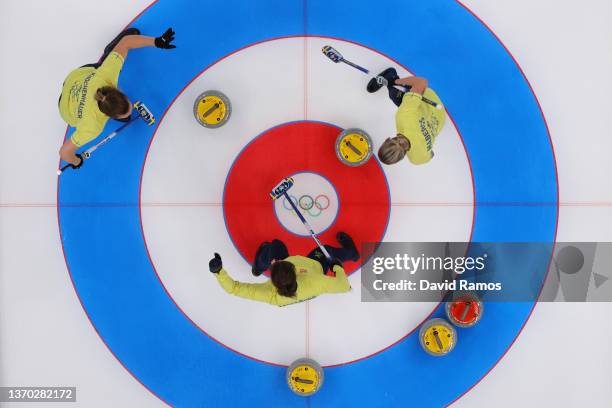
[{"x": 393, "y": 149}]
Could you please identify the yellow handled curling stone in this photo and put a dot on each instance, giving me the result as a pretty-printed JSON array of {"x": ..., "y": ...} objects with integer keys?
[
  {"x": 212, "y": 109},
  {"x": 305, "y": 377},
  {"x": 438, "y": 337},
  {"x": 354, "y": 147}
]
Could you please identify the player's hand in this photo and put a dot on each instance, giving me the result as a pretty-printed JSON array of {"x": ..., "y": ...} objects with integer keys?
[
  {"x": 332, "y": 263},
  {"x": 79, "y": 164},
  {"x": 215, "y": 264},
  {"x": 164, "y": 41}
]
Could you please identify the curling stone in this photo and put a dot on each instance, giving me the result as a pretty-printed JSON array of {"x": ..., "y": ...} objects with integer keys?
[
  {"x": 304, "y": 377},
  {"x": 465, "y": 309},
  {"x": 354, "y": 147},
  {"x": 212, "y": 109},
  {"x": 438, "y": 337}
]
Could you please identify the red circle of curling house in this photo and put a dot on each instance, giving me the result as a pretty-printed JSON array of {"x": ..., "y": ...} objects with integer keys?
[{"x": 363, "y": 193}]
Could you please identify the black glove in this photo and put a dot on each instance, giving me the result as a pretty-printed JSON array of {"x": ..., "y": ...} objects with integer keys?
[
  {"x": 165, "y": 40},
  {"x": 333, "y": 263},
  {"x": 215, "y": 264},
  {"x": 77, "y": 166}
]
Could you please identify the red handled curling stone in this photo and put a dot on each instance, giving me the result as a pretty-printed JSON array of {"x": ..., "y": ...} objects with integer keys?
[{"x": 465, "y": 310}]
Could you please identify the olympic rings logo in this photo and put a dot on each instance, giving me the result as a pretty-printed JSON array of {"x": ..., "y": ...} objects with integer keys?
[{"x": 313, "y": 206}]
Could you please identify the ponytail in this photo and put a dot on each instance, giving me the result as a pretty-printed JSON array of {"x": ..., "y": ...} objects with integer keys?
[
  {"x": 112, "y": 102},
  {"x": 288, "y": 290},
  {"x": 100, "y": 96}
]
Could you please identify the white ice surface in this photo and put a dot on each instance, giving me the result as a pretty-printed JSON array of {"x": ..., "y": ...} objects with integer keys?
[{"x": 45, "y": 338}]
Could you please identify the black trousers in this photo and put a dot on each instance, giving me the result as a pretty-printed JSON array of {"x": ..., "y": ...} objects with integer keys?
[
  {"x": 280, "y": 252},
  {"x": 111, "y": 45},
  {"x": 396, "y": 95},
  {"x": 342, "y": 254}
]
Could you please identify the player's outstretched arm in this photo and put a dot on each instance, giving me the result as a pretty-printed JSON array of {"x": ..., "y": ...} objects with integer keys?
[
  {"x": 130, "y": 42},
  {"x": 254, "y": 291}
]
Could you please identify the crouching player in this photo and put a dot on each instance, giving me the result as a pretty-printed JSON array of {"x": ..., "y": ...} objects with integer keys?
[
  {"x": 293, "y": 279},
  {"x": 418, "y": 122},
  {"x": 90, "y": 95}
]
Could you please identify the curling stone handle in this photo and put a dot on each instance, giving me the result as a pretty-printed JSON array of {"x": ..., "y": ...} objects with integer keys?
[
  {"x": 211, "y": 110},
  {"x": 303, "y": 381},
  {"x": 465, "y": 310},
  {"x": 353, "y": 148},
  {"x": 438, "y": 341}
]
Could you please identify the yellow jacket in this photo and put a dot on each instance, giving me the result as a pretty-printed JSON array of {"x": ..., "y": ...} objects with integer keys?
[
  {"x": 311, "y": 282},
  {"x": 420, "y": 123},
  {"x": 77, "y": 104}
]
